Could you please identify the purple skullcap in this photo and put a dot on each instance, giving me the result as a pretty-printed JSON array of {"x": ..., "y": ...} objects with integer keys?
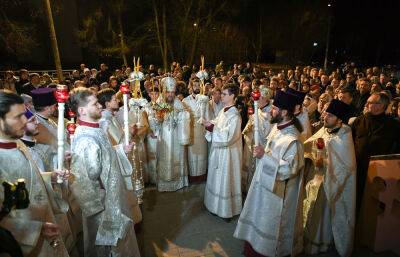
[{"x": 28, "y": 113}]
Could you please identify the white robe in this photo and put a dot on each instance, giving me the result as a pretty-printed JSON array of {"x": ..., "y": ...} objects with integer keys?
[
  {"x": 249, "y": 162},
  {"x": 197, "y": 149},
  {"x": 70, "y": 222},
  {"x": 26, "y": 224},
  {"x": 223, "y": 195},
  {"x": 48, "y": 153},
  {"x": 172, "y": 157},
  {"x": 214, "y": 109},
  {"x": 305, "y": 123},
  {"x": 111, "y": 126},
  {"x": 329, "y": 207},
  {"x": 45, "y": 156},
  {"x": 271, "y": 220},
  {"x": 48, "y": 156},
  {"x": 107, "y": 206}
]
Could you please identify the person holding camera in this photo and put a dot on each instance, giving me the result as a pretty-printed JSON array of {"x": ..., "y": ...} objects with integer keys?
[{"x": 34, "y": 227}]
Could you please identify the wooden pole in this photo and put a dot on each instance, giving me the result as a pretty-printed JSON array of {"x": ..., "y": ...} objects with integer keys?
[{"x": 53, "y": 40}]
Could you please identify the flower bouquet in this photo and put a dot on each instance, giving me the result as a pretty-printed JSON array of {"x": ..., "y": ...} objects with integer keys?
[{"x": 162, "y": 109}]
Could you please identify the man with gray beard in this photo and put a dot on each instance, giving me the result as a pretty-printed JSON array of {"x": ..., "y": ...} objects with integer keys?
[{"x": 174, "y": 122}]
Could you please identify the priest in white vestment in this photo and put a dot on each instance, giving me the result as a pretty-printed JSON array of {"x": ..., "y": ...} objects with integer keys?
[
  {"x": 271, "y": 220},
  {"x": 197, "y": 105},
  {"x": 301, "y": 114},
  {"x": 34, "y": 227},
  {"x": 107, "y": 206},
  {"x": 174, "y": 122},
  {"x": 329, "y": 206},
  {"x": 111, "y": 126},
  {"x": 264, "y": 117},
  {"x": 223, "y": 195}
]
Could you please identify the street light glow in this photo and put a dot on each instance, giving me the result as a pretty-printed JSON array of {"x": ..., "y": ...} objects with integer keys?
[
  {"x": 329, "y": 5},
  {"x": 195, "y": 24},
  {"x": 315, "y": 44}
]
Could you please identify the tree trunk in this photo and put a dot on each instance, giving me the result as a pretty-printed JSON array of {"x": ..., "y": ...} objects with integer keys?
[
  {"x": 160, "y": 43},
  {"x": 122, "y": 37},
  {"x": 165, "y": 57},
  {"x": 53, "y": 40},
  {"x": 183, "y": 35},
  {"x": 328, "y": 34}
]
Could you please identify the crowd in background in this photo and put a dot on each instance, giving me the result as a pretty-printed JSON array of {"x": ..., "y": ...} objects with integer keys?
[
  {"x": 372, "y": 95},
  {"x": 347, "y": 83}
]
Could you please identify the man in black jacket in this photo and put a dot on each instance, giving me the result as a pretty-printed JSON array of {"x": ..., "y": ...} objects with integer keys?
[
  {"x": 364, "y": 88},
  {"x": 34, "y": 83},
  {"x": 104, "y": 74},
  {"x": 374, "y": 133},
  {"x": 23, "y": 79}
]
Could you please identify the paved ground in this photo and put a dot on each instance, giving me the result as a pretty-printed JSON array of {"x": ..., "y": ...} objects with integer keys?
[{"x": 178, "y": 225}]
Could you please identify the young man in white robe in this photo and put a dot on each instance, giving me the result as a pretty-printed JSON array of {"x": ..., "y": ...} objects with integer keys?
[
  {"x": 271, "y": 220},
  {"x": 174, "y": 135},
  {"x": 264, "y": 117},
  {"x": 111, "y": 126},
  {"x": 197, "y": 149},
  {"x": 223, "y": 195},
  {"x": 34, "y": 227},
  {"x": 107, "y": 206},
  {"x": 301, "y": 114},
  {"x": 329, "y": 207}
]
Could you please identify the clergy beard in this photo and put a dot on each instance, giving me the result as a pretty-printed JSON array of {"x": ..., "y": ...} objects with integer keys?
[
  {"x": 330, "y": 125},
  {"x": 196, "y": 91},
  {"x": 30, "y": 133},
  {"x": 9, "y": 131},
  {"x": 95, "y": 115},
  {"x": 114, "y": 109},
  {"x": 277, "y": 119},
  {"x": 170, "y": 99}
]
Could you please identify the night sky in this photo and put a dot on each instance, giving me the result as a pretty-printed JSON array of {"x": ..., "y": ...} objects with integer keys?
[{"x": 364, "y": 31}]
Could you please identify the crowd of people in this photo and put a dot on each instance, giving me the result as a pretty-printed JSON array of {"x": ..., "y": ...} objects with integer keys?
[{"x": 287, "y": 150}]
